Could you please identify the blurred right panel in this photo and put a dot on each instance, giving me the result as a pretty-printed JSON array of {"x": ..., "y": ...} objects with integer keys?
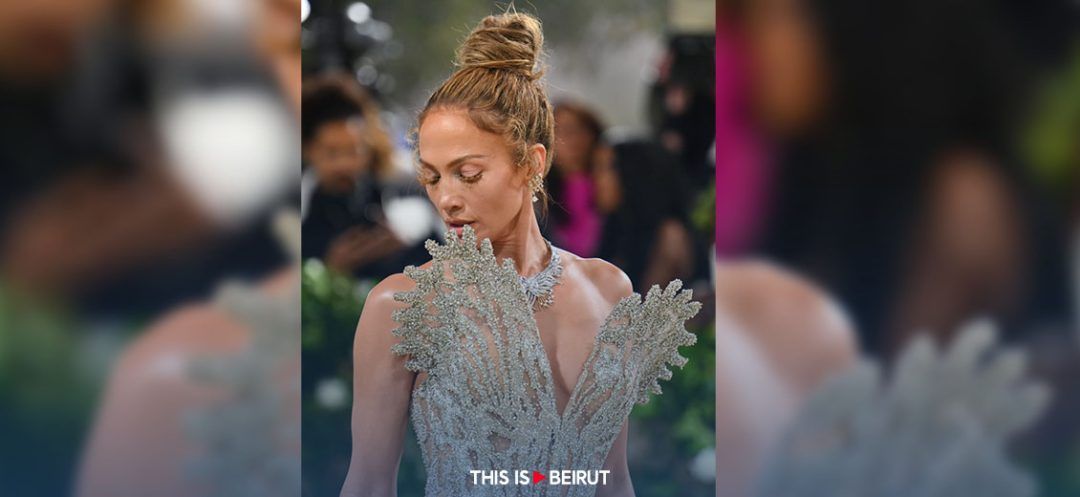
[{"x": 906, "y": 178}]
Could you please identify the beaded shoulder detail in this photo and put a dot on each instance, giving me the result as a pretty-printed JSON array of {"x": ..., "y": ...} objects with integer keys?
[
  {"x": 487, "y": 398},
  {"x": 461, "y": 271},
  {"x": 654, "y": 326}
]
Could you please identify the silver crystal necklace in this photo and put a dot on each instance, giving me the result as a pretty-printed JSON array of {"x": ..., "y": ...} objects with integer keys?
[{"x": 540, "y": 287}]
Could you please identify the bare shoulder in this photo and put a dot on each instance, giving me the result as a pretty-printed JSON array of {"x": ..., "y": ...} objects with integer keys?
[
  {"x": 192, "y": 331},
  {"x": 609, "y": 280},
  {"x": 377, "y": 318},
  {"x": 791, "y": 318},
  {"x": 746, "y": 282},
  {"x": 156, "y": 364},
  {"x": 381, "y": 295}
]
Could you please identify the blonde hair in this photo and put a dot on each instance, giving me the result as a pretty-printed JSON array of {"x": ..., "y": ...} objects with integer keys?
[{"x": 497, "y": 81}]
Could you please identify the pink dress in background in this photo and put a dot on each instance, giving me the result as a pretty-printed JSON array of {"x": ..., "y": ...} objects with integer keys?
[
  {"x": 580, "y": 234},
  {"x": 742, "y": 162}
]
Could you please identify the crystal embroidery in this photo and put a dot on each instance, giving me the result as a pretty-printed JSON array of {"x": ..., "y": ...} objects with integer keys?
[
  {"x": 485, "y": 397},
  {"x": 540, "y": 287}
]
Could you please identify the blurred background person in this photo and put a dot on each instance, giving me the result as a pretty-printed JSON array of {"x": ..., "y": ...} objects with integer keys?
[
  {"x": 893, "y": 183},
  {"x": 652, "y": 241},
  {"x": 573, "y": 215},
  {"x": 111, "y": 130},
  {"x": 627, "y": 77},
  {"x": 351, "y": 185},
  {"x": 681, "y": 102}
]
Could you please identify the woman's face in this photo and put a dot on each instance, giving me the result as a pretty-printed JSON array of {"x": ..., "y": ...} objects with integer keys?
[
  {"x": 788, "y": 65},
  {"x": 339, "y": 154},
  {"x": 470, "y": 176},
  {"x": 573, "y": 141}
]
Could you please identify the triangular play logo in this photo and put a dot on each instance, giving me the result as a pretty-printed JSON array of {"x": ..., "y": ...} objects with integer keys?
[{"x": 538, "y": 477}]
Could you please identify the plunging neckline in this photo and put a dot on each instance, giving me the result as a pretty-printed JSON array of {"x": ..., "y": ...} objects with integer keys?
[
  {"x": 465, "y": 325},
  {"x": 548, "y": 368}
]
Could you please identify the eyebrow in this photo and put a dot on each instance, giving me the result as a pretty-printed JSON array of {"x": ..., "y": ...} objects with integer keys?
[{"x": 453, "y": 163}]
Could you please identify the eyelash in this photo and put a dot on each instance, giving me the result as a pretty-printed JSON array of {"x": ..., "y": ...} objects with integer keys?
[{"x": 468, "y": 179}]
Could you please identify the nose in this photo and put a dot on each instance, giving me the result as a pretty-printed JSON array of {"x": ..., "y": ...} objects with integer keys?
[{"x": 447, "y": 200}]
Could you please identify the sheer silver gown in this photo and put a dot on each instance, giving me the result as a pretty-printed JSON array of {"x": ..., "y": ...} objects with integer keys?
[{"x": 485, "y": 398}]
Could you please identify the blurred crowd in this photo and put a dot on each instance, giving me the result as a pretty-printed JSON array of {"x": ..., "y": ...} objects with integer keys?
[
  {"x": 144, "y": 142},
  {"x": 627, "y": 199},
  {"x": 890, "y": 153},
  {"x": 918, "y": 162}
]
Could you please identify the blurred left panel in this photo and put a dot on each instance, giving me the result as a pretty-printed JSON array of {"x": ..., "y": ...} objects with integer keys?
[{"x": 149, "y": 239}]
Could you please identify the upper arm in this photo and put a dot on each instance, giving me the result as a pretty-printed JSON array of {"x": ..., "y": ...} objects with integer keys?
[
  {"x": 138, "y": 444},
  {"x": 382, "y": 388}
]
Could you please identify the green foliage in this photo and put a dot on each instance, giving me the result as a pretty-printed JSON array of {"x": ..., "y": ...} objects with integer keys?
[
  {"x": 47, "y": 394},
  {"x": 1049, "y": 143},
  {"x": 330, "y": 305},
  {"x": 679, "y": 424},
  {"x": 703, "y": 213}
]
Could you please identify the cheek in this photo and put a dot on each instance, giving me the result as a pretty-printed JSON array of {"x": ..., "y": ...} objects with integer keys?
[
  {"x": 496, "y": 202},
  {"x": 496, "y": 199}
]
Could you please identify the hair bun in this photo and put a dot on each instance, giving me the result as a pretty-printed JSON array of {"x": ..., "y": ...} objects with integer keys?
[{"x": 511, "y": 42}]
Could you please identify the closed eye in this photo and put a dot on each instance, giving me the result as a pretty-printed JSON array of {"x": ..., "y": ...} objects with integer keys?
[
  {"x": 427, "y": 179},
  {"x": 470, "y": 178}
]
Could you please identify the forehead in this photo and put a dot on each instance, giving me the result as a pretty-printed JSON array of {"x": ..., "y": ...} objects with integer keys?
[
  {"x": 448, "y": 134},
  {"x": 350, "y": 127}
]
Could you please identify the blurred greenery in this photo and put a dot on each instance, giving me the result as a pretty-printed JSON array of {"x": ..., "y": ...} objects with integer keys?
[
  {"x": 48, "y": 387},
  {"x": 672, "y": 428},
  {"x": 434, "y": 29},
  {"x": 1050, "y": 141},
  {"x": 703, "y": 213},
  {"x": 330, "y": 306}
]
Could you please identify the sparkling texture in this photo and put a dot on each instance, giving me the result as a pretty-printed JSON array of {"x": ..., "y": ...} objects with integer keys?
[
  {"x": 540, "y": 288},
  {"x": 938, "y": 426},
  {"x": 485, "y": 399},
  {"x": 247, "y": 443}
]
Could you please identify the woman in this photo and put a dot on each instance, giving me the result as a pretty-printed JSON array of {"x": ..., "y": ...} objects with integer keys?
[
  {"x": 649, "y": 240},
  {"x": 531, "y": 363},
  {"x": 577, "y": 222}
]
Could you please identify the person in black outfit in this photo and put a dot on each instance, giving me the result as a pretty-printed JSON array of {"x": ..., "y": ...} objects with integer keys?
[{"x": 349, "y": 178}]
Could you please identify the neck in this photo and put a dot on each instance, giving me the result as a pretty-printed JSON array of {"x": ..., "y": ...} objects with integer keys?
[{"x": 524, "y": 245}]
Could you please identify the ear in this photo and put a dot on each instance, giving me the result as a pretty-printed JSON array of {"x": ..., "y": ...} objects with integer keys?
[{"x": 538, "y": 159}]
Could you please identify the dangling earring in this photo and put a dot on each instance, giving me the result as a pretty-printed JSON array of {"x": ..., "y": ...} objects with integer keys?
[{"x": 536, "y": 183}]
